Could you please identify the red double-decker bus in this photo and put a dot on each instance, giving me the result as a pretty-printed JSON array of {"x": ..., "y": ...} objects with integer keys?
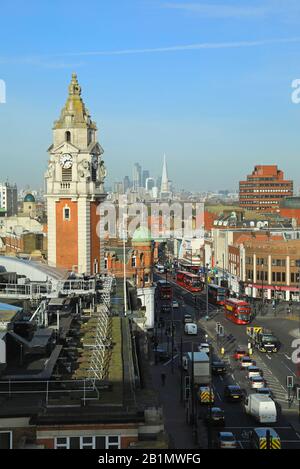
[
  {"x": 216, "y": 294},
  {"x": 237, "y": 311},
  {"x": 164, "y": 295},
  {"x": 189, "y": 281}
]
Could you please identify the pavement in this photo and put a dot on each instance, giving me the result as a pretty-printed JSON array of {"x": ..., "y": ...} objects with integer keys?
[{"x": 179, "y": 431}]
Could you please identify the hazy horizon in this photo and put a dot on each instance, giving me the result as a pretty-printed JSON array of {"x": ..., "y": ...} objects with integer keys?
[{"x": 212, "y": 90}]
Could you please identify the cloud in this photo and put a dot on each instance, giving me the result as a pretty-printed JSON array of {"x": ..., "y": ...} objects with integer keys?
[
  {"x": 185, "y": 47},
  {"x": 52, "y": 61},
  {"x": 219, "y": 10}
]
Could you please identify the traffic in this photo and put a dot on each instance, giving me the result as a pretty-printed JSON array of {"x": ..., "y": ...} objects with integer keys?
[{"x": 231, "y": 392}]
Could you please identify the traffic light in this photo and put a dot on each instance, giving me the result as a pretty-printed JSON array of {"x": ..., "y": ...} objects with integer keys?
[{"x": 290, "y": 381}]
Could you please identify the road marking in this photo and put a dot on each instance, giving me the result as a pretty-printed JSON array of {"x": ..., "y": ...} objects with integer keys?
[
  {"x": 286, "y": 356},
  {"x": 165, "y": 364},
  {"x": 221, "y": 378},
  {"x": 270, "y": 358}
]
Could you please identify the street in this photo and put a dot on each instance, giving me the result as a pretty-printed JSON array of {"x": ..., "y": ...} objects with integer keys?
[{"x": 275, "y": 367}]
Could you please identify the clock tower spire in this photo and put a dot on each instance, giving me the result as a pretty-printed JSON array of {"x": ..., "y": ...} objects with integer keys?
[{"x": 74, "y": 187}]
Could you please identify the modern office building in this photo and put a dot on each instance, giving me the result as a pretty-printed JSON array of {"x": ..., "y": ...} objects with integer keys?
[
  {"x": 8, "y": 199},
  {"x": 264, "y": 189}
]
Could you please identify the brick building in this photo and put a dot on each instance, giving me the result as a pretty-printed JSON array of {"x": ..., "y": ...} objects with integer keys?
[{"x": 264, "y": 189}]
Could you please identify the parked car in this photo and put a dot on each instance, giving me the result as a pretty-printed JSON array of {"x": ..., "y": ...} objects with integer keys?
[
  {"x": 204, "y": 347},
  {"x": 253, "y": 371},
  {"x": 218, "y": 367},
  {"x": 257, "y": 382},
  {"x": 233, "y": 393},
  {"x": 240, "y": 353},
  {"x": 217, "y": 417},
  {"x": 226, "y": 440}
]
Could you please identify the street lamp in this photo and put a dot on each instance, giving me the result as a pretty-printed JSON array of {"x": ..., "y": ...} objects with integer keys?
[
  {"x": 206, "y": 284},
  {"x": 262, "y": 285}
]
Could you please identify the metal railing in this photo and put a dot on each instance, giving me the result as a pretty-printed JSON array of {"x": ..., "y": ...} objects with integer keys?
[{"x": 51, "y": 389}]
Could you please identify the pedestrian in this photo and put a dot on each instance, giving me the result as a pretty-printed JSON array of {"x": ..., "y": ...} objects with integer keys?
[{"x": 163, "y": 378}]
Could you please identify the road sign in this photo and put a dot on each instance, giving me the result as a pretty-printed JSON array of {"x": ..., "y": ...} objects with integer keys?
[{"x": 290, "y": 381}]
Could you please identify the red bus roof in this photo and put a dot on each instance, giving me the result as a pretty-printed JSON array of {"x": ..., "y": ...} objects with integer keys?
[
  {"x": 237, "y": 302},
  {"x": 188, "y": 274}
]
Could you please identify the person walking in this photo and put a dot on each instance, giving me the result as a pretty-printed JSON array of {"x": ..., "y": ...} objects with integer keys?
[{"x": 163, "y": 378}]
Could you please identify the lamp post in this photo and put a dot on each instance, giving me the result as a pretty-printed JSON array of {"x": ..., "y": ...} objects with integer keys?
[
  {"x": 262, "y": 285},
  {"x": 206, "y": 284}
]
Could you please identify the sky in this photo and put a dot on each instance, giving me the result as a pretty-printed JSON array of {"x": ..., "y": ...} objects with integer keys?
[{"x": 208, "y": 83}]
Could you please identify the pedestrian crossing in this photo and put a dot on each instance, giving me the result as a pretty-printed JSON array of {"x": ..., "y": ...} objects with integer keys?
[{"x": 278, "y": 390}]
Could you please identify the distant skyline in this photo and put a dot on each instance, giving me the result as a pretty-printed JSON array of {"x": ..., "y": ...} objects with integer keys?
[{"x": 206, "y": 82}]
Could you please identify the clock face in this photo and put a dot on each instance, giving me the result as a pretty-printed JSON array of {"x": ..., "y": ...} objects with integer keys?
[{"x": 66, "y": 161}]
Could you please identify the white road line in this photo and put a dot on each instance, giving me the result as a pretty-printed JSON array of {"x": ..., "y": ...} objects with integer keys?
[
  {"x": 269, "y": 357},
  {"x": 167, "y": 363},
  {"x": 286, "y": 356}
]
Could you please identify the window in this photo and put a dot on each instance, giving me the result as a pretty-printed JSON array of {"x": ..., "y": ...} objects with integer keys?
[
  {"x": 6, "y": 440},
  {"x": 66, "y": 175},
  {"x": 67, "y": 214},
  {"x": 61, "y": 443},
  {"x": 113, "y": 442},
  {"x": 105, "y": 263},
  {"x": 68, "y": 136},
  {"x": 86, "y": 442},
  {"x": 133, "y": 261}
]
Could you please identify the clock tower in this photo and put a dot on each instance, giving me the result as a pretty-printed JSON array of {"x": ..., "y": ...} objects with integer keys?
[{"x": 74, "y": 188}]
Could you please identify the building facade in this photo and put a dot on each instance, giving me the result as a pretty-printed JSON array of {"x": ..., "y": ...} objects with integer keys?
[
  {"x": 8, "y": 199},
  {"x": 74, "y": 188},
  {"x": 264, "y": 189}
]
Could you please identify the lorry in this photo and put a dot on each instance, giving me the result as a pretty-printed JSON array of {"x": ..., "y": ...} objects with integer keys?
[
  {"x": 261, "y": 407},
  {"x": 201, "y": 367},
  {"x": 263, "y": 339}
]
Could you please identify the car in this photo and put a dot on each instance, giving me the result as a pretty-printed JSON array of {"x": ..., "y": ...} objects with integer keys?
[
  {"x": 204, "y": 347},
  {"x": 227, "y": 440},
  {"x": 218, "y": 367},
  {"x": 216, "y": 418},
  {"x": 265, "y": 391},
  {"x": 233, "y": 393},
  {"x": 257, "y": 382},
  {"x": 253, "y": 371},
  {"x": 187, "y": 318},
  {"x": 175, "y": 304},
  {"x": 240, "y": 353},
  {"x": 160, "y": 268},
  {"x": 246, "y": 362},
  {"x": 191, "y": 328}
]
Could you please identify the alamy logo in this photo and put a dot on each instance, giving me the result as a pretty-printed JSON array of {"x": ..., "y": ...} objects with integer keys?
[
  {"x": 2, "y": 92},
  {"x": 296, "y": 92}
]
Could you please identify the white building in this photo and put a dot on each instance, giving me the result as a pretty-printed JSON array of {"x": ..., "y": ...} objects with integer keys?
[{"x": 8, "y": 199}]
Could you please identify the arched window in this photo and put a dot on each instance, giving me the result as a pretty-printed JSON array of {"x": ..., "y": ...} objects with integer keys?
[{"x": 68, "y": 136}]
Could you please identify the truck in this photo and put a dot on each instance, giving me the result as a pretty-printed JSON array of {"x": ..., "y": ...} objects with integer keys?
[
  {"x": 201, "y": 367},
  {"x": 261, "y": 407},
  {"x": 263, "y": 339}
]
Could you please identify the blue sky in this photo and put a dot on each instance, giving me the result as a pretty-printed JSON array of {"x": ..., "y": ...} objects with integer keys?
[{"x": 206, "y": 82}]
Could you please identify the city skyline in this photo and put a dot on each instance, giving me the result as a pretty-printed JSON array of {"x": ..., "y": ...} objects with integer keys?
[{"x": 232, "y": 82}]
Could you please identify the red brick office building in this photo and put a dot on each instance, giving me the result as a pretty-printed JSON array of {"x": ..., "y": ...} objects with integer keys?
[{"x": 264, "y": 189}]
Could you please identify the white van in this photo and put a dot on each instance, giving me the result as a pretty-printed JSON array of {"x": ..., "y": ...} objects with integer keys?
[
  {"x": 191, "y": 328},
  {"x": 261, "y": 407}
]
